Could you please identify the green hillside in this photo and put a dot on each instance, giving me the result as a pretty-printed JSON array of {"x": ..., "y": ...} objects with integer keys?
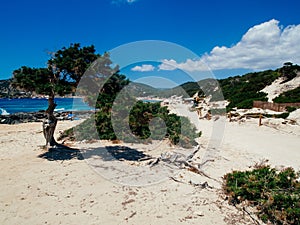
[
  {"x": 289, "y": 96},
  {"x": 241, "y": 91}
]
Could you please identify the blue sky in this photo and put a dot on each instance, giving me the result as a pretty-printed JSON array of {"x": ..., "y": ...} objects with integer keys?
[{"x": 231, "y": 37}]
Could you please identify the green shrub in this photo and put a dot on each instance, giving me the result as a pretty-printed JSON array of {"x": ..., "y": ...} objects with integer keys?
[
  {"x": 178, "y": 130},
  {"x": 276, "y": 194},
  {"x": 288, "y": 96},
  {"x": 290, "y": 108},
  {"x": 282, "y": 115}
]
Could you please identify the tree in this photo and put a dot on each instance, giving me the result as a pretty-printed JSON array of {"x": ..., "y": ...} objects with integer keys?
[
  {"x": 64, "y": 71},
  {"x": 289, "y": 71}
]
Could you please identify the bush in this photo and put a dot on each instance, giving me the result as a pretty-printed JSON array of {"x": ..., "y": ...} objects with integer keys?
[
  {"x": 290, "y": 108},
  {"x": 282, "y": 115},
  {"x": 177, "y": 129},
  {"x": 275, "y": 194},
  {"x": 289, "y": 96}
]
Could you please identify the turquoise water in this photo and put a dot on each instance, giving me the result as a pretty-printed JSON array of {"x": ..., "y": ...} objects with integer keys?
[{"x": 10, "y": 106}]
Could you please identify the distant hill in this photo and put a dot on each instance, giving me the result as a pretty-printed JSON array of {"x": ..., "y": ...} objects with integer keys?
[
  {"x": 203, "y": 87},
  {"x": 139, "y": 89},
  {"x": 241, "y": 91}
]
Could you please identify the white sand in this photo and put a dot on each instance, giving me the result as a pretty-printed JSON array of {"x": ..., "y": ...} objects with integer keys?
[
  {"x": 276, "y": 88},
  {"x": 39, "y": 191}
]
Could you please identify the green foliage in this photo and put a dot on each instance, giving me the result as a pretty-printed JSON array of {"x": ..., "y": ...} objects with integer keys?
[
  {"x": 64, "y": 71},
  {"x": 281, "y": 115},
  {"x": 289, "y": 71},
  {"x": 289, "y": 96},
  {"x": 88, "y": 130},
  {"x": 179, "y": 130},
  {"x": 290, "y": 109},
  {"x": 139, "y": 117},
  {"x": 241, "y": 91},
  {"x": 33, "y": 79},
  {"x": 104, "y": 104},
  {"x": 276, "y": 194},
  {"x": 72, "y": 62}
]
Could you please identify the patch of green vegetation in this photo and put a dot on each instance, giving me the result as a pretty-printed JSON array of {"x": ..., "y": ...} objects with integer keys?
[
  {"x": 290, "y": 108},
  {"x": 241, "y": 91},
  {"x": 289, "y": 71},
  {"x": 275, "y": 194},
  {"x": 283, "y": 115},
  {"x": 289, "y": 96},
  {"x": 178, "y": 130}
]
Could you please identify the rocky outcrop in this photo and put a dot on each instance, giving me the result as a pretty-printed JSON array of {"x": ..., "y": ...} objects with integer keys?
[
  {"x": 4, "y": 88},
  {"x": 22, "y": 118},
  {"x": 39, "y": 117},
  {"x": 8, "y": 91}
]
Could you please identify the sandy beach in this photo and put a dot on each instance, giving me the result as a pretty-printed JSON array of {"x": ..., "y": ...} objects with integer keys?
[{"x": 40, "y": 188}]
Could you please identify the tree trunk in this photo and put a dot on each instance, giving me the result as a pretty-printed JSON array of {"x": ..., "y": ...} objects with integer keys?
[{"x": 50, "y": 123}]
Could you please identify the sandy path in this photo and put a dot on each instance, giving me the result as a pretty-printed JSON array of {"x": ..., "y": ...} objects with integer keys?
[{"x": 280, "y": 146}]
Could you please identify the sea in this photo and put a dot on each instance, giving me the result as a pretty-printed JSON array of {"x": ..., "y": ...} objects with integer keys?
[{"x": 11, "y": 106}]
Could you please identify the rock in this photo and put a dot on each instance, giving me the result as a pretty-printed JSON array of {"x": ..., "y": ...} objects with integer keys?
[
  {"x": 39, "y": 117},
  {"x": 22, "y": 118}
]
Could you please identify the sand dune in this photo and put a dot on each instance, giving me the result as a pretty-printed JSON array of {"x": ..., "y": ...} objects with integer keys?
[{"x": 276, "y": 88}]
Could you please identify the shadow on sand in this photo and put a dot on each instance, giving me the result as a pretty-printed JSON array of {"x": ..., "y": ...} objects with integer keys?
[
  {"x": 61, "y": 152},
  {"x": 108, "y": 153}
]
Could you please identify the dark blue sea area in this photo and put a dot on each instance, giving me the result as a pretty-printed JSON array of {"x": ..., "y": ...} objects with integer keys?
[{"x": 11, "y": 106}]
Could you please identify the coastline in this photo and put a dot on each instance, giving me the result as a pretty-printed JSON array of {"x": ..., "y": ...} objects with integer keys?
[
  {"x": 37, "y": 105},
  {"x": 28, "y": 117},
  {"x": 40, "y": 97}
]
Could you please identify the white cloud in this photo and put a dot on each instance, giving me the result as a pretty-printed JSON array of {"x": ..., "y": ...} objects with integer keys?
[
  {"x": 143, "y": 68},
  {"x": 189, "y": 65},
  {"x": 264, "y": 46}
]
